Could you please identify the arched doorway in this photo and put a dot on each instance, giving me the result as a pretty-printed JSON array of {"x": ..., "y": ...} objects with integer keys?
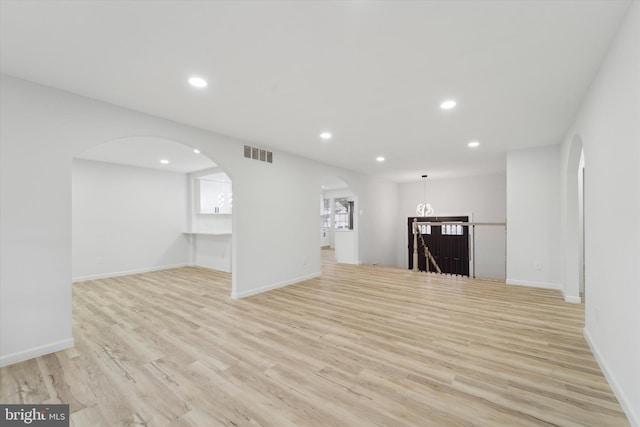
[
  {"x": 338, "y": 221},
  {"x": 574, "y": 221},
  {"x": 138, "y": 206}
]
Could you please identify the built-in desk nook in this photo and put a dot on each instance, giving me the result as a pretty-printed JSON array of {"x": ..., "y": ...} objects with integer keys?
[
  {"x": 209, "y": 232},
  {"x": 210, "y": 250}
]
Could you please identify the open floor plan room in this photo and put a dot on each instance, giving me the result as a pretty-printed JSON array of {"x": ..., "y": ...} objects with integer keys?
[
  {"x": 215, "y": 212},
  {"x": 361, "y": 345}
]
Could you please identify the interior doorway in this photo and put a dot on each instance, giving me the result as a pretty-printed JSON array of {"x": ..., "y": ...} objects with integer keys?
[
  {"x": 581, "y": 227},
  {"x": 338, "y": 220},
  {"x": 448, "y": 244},
  {"x": 574, "y": 236}
]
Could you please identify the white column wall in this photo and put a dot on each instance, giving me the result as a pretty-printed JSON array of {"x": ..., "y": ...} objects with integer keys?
[
  {"x": 126, "y": 220},
  {"x": 533, "y": 217},
  {"x": 375, "y": 216}
]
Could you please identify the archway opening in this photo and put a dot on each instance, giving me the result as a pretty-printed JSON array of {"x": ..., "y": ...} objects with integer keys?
[
  {"x": 338, "y": 222},
  {"x": 142, "y": 204},
  {"x": 575, "y": 228},
  {"x": 581, "y": 227}
]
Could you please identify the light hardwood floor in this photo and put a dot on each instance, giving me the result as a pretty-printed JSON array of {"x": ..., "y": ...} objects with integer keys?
[{"x": 359, "y": 346}]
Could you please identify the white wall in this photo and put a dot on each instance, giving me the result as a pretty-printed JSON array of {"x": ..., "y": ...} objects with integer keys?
[
  {"x": 533, "y": 217},
  {"x": 481, "y": 197},
  {"x": 126, "y": 220},
  {"x": 211, "y": 251},
  {"x": 211, "y": 223},
  {"x": 608, "y": 126},
  {"x": 43, "y": 129},
  {"x": 345, "y": 245},
  {"x": 376, "y": 212},
  {"x": 279, "y": 223}
]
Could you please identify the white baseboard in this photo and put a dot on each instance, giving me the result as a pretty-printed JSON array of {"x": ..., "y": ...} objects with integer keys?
[
  {"x": 543, "y": 285},
  {"x": 128, "y": 272},
  {"x": 21, "y": 356},
  {"x": 238, "y": 295},
  {"x": 223, "y": 268},
  {"x": 572, "y": 299},
  {"x": 620, "y": 395}
]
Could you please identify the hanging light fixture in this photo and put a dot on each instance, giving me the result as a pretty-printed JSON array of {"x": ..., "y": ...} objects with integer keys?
[{"x": 424, "y": 209}]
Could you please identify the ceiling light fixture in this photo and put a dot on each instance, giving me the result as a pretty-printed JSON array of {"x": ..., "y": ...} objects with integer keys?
[
  {"x": 325, "y": 136},
  {"x": 448, "y": 104},
  {"x": 198, "y": 82},
  {"x": 195, "y": 150},
  {"x": 379, "y": 159},
  {"x": 473, "y": 144},
  {"x": 424, "y": 209},
  {"x": 164, "y": 161}
]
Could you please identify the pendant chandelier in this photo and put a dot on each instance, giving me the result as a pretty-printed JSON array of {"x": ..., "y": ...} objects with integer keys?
[{"x": 424, "y": 208}]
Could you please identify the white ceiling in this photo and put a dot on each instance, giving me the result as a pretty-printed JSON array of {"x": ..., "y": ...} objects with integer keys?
[
  {"x": 372, "y": 73},
  {"x": 147, "y": 152}
]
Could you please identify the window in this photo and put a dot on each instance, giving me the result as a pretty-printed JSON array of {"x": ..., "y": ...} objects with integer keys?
[
  {"x": 325, "y": 213},
  {"x": 452, "y": 230},
  {"x": 343, "y": 214}
]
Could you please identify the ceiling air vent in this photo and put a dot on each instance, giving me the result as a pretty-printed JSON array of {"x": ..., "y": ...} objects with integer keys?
[{"x": 258, "y": 154}]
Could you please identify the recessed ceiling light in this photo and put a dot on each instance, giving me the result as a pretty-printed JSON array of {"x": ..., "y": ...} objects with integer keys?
[
  {"x": 164, "y": 161},
  {"x": 198, "y": 82},
  {"x": 448, "y": 104},
  {"x": 325, "y": 136},
  {"x": 195, "y": 150},
  {"x": 473, "y": 144},
  {"x": 380, "y": 159}
]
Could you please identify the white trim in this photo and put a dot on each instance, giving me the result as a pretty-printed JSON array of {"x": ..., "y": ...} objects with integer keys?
[
  {"x": 543, "y": 285},
  {"x": 129, "y": 272},
  {"x": 628, "y": 409},
  {"x": 31, "y": 353},
  {"x": 208, "y": 267},
  {"x": 238, "y": 295},
  {"x": 571, "y": 298}
]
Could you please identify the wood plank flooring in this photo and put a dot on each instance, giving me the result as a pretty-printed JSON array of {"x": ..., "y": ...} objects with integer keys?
[{"x": 359, "y": 346}]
